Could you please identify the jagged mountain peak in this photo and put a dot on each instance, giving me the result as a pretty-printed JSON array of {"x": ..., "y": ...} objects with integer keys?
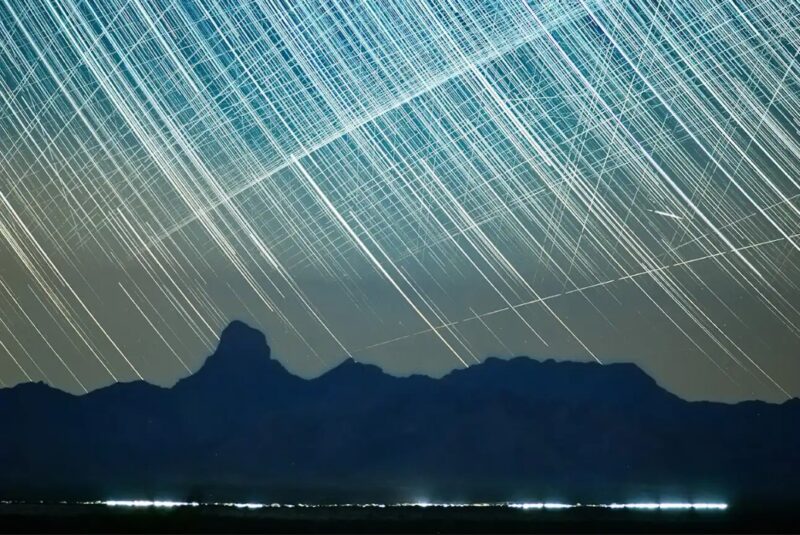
[{"x": 242, "y": 358}]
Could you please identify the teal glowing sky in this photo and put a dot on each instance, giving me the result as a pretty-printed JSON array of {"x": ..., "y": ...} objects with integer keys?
[{"x": 418, "y": 184}]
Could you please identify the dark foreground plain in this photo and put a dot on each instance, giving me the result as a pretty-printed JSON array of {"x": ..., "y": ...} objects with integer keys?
[{"x": 68, "y": 518}]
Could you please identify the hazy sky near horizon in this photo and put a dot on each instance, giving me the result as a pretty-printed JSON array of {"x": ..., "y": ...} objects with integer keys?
[{"x": 417, "y": 184}]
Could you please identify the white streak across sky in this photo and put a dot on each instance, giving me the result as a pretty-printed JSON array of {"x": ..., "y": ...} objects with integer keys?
[{"x": 417, "y": 182}]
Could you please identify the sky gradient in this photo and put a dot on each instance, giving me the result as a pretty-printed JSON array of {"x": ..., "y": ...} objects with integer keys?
[{"x": 415, "y": 184}]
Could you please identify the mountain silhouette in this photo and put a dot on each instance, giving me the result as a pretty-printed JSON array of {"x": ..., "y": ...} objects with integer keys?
[{"x": 244, "y": 428}]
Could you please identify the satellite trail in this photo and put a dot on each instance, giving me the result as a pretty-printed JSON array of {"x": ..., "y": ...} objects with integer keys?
[{"x": 436, "y": 181}]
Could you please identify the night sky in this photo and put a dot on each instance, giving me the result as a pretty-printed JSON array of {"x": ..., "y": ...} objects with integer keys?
[{"x": 415, "y": 184}]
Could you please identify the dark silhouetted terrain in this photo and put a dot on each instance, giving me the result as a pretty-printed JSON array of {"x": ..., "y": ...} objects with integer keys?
[{"x": 244, "y": 428}]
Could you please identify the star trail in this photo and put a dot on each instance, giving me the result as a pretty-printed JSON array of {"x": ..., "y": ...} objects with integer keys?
[{"x": 420, "y": 184}]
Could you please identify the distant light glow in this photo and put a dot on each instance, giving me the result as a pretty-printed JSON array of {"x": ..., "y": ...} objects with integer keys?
[
  {"x": 541, "y": 505},
  {"x": 149, "y": 503},
  {"x": 247, "y": 505},
  {"x": 678, "y": 505},
  {"x": 700, "y": 506}
]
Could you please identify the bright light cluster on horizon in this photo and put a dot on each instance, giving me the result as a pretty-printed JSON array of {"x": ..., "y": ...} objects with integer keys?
[
  {"x": 667, "y": 506},
  {"x": 635, "y": 505}
]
